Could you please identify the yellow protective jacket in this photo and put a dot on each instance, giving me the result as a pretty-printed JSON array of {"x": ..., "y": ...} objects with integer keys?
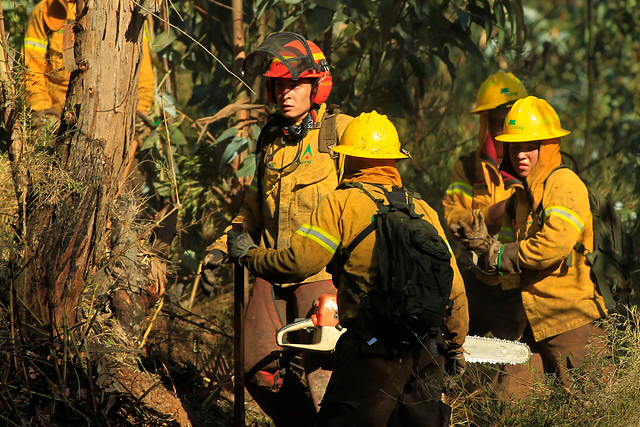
[
  {"x": 558, "y": 294},
  {"x": 278, "y": 203},
  {"x": 477, "y": 183},
  {"x": 337, "y": 220},
  {"x": 47, "y": 79}
]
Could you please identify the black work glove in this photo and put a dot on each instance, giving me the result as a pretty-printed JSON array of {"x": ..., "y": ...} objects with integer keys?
[
  {"x": 238, "y": 244},
  {"x": 212, "y": 260},
  {"x": 454, "y": 363},
  {"x": 474, "y": 237}
]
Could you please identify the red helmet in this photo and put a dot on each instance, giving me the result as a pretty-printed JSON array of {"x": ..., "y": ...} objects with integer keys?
[{"x": 290, "y": 56}]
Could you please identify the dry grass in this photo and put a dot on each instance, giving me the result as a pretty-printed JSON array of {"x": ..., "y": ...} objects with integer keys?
[{"x": 593, "y": 402}]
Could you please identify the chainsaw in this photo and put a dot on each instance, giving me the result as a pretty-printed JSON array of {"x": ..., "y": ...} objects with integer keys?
[{"x": 325, "y": 330}]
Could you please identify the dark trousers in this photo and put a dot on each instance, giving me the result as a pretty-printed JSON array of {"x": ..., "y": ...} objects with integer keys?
[
  {"x": 277, "y": 390},
  {"x": 403, "y": 388},
  {"x": 555, "y": 355}
]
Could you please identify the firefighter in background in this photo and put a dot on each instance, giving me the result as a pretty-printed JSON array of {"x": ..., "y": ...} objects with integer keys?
[
  {"x": 374, "y": 383},
  {"x": 47, "y": 79},
  {"x": 548, "y": 215},
  {"x": 479, "y": 189},
  {"x": 295, "y": 169}
]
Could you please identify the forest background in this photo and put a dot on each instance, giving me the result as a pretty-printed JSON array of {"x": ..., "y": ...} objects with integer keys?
[{"x": 419, "y": 62}]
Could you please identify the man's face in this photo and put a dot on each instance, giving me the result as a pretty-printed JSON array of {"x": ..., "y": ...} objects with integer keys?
[
  {"x": 293, "y": 97},
  {"x": 524, "y": 156}
]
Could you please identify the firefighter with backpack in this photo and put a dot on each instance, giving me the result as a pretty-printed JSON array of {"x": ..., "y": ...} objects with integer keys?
[
  {"x": 548, "y": 215},
  {"x": 384, "y": 376},
  {"x": 479, "y": 188},
  {"x": 295, "y": 169}
]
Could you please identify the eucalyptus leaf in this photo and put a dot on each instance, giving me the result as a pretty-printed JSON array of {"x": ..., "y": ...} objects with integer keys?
[
  {"x": 318, "y": 20},
  {"x": 229, "y": 133},
  {"x": 236, "y": 145},
  {"x": 162, "y": 40},
  {"x": 248, "y": 167}
]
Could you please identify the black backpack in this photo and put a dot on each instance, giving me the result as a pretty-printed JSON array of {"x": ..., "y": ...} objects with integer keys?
[
  {"x": 412, "y": 289},
  {"x": 612, "y": 259}
]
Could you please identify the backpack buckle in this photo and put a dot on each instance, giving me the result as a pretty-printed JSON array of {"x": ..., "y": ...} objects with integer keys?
[{"x": 365, "y": 301}]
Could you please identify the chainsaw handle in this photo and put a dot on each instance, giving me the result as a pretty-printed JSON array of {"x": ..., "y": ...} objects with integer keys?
[{"x": 281, "y": 339}]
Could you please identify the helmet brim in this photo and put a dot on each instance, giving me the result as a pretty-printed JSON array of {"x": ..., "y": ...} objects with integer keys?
[
  {"x": 371, "y": 154},
  {"x": 532, "y": 136}
]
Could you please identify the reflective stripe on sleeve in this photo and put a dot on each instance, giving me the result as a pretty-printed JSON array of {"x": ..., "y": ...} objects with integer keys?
[
  {"x": 38, "y": 45},
  {"x": 448, "y": 246},
  {"x": 506, "y": 235},
  {"x": 254, "y": 185},
  {"x": 461, "y": 188},
  {"x": 319, "y": 236},
  {"x": 566, "y": 214}
]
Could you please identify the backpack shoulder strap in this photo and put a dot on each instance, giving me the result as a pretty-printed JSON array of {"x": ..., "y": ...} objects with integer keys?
[
  {"x": 544, "y": 184},
  {"x": 328, "y": 134},
  {"x": 346, "y": 252}
]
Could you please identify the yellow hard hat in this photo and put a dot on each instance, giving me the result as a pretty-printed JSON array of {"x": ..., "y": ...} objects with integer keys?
[
  {"x": 373, "y": 136},
  {"x": 531, "y": 119},
  {"x": 498, "y": 89}
]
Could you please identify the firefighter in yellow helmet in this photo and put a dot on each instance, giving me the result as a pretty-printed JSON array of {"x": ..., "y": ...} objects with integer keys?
[
  {"x": 374, "y": 382},
  {"x": 479, "y": 189},
  {"x": 296, "y": 167},
  {"x": 548, "y": 215},
  {"x": 47, "y": 78}
]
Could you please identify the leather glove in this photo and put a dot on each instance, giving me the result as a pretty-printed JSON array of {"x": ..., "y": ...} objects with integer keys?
[
  {"x": 49, "y": 117},
  {"x": 238, "y": 244},
  {"x": 212, "y": 260},
  {"x": 474, "y": 237},
  {"x": 500, "y": 258},
  {"x": 143, "y": 126},
  {"x": 454, "y": 363}
]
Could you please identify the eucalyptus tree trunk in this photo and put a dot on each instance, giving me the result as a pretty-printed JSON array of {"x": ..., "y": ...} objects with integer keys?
[{"x": 65, "y": 240}]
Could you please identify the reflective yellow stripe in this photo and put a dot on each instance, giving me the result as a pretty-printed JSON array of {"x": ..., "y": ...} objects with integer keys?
[
  {"x": 38, "y": 45},
  {"x": 319, "y": 236},
  {"x": 506, "y": 235},
  {"x": 316, "y": 56},
  {"x": 448, "y": 245},
  {"x": 461, "y": 188},
  {"x": 254, "y": 185},
  {"x": 566, "y": 214}
]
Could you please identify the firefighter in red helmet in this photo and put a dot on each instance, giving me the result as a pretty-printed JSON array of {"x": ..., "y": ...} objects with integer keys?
[{"x": 295, "y": 168}]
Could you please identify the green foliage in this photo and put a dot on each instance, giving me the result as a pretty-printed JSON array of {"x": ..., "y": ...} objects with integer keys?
[
  {"x": 555, "y": 66},
  {"x": 393, "y": 56}
]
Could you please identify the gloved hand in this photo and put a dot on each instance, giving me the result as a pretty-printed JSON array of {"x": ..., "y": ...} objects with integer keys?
[
  {"x": 238, "y": 244},
  {"x": 212, "y": 260},
  {"x": 500, "y": 258},
  {"x": 475, "y": 238},
  {"x": 143, "y": 126},
  {"x": 48, "y": 118},
  {"x": 454, "y": 363}
]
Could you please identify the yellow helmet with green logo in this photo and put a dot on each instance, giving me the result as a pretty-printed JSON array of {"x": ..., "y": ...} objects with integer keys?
[
  {"x": 497, "y": 90},
  {"x": 531, "y": 119},
  {"x": 373, "y": 136}
]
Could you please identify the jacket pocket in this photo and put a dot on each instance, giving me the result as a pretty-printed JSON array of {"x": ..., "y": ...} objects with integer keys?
[{"x": 309, "y": 187}]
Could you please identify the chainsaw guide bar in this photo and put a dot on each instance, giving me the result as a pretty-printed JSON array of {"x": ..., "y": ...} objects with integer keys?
[{"x": 495, "y": 350}]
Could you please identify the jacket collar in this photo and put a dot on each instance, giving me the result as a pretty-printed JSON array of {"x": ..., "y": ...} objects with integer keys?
[{"x": 372, "y": 171}]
